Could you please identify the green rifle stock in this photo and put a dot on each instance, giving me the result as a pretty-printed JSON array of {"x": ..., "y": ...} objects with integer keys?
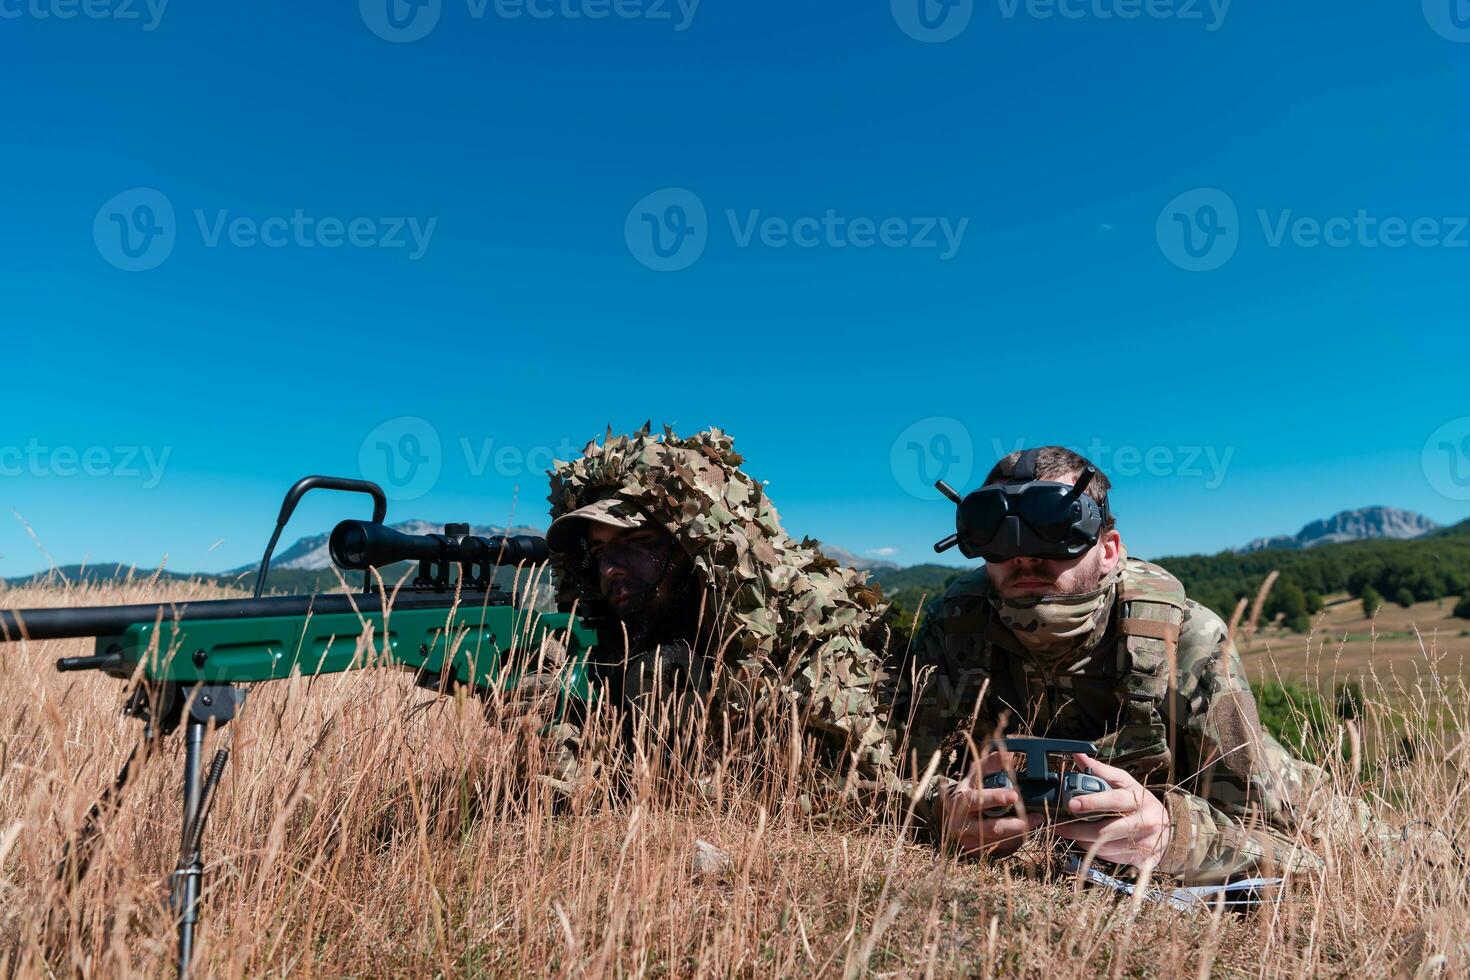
[{"x": 190, "y": 658}]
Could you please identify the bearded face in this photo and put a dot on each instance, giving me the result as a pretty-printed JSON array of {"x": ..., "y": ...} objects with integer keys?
[
  {"x": 631, "y": 565},
  {"x": 1022, "y": 578}
]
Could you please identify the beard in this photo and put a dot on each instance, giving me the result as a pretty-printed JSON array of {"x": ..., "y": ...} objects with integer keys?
[
  {"x": 662, "y": 613},
  {"x": 1079, "y": 579}
]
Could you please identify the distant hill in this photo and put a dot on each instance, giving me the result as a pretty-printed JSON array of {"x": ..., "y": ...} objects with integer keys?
[
  {"x": 311, "y": 554},
  {"x": 301, "y": 569},
  {"x": 1365, "y": 523},
  {"x": 1454, "y": 530},
  {"x": 105, "y": 572},
  {"x": 929, "y": 578},
  {"x": 845, "y": 557}
]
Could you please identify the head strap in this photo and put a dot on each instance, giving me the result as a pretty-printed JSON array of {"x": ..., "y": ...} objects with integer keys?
[{"x": 1025, "y": 467}]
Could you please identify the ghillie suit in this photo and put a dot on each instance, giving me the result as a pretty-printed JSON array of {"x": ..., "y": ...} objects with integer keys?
[{"x": 783, "y": 629}]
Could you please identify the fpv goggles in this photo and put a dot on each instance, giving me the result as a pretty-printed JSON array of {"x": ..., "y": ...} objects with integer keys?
[{"x": 1027, "y": 518}]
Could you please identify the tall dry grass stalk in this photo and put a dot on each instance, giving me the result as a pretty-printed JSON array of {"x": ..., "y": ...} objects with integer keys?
[{"x": 367, "y": 828}]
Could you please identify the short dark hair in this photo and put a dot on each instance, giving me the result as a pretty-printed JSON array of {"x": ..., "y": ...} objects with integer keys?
[{"x": 1056, "y": 463}]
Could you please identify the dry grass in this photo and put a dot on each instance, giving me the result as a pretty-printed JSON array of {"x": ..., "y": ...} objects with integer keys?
[
  {"x": 358, "y": 833},
  {"x": 1344, "y": 643}
]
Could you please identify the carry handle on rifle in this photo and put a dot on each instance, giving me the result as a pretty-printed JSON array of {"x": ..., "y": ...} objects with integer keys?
[{"x": 293, "y": 497}]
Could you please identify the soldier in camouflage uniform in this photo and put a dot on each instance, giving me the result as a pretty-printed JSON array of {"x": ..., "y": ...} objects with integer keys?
[
  {"x": 708, "y": 605},
  {"x": 1104, "y": 648}
]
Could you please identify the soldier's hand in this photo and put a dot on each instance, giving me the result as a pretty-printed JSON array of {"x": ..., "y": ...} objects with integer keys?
[
  {"x": 965, "y": 823},
  {"x": 1136, "y": 832}
]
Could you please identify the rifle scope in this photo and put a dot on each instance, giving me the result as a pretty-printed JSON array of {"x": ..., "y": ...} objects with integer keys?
[{"x": 367, "y": 544}]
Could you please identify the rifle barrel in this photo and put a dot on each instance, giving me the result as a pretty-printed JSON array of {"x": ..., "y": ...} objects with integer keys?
[{"x": 61, "y": 623}]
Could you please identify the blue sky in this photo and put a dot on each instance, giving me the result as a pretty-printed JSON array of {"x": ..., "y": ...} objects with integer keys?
[{"x": 1223, "y": 246}]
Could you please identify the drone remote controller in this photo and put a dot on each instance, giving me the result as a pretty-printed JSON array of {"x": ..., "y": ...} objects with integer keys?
[{"x": 1041, "y": 788}]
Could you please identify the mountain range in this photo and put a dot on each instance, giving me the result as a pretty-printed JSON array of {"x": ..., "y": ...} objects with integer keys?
[
  {"x": 311, "y": 554},
  {"x": 307, "y": 566},
  {"x": 1350, "y": 525}
]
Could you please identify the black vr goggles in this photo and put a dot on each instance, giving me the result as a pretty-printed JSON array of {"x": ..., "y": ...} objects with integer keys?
[{"x": 1026, "y": 518}]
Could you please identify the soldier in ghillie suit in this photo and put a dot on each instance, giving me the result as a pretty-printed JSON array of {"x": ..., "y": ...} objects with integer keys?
[
  {"x": 707, "y": 609},
  {"x": 1104, "y": 648}
]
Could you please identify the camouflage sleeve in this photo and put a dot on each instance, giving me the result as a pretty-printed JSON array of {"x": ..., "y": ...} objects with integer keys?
[
  {"x": 1235, "y": 811},
  {"x": 838, "y": 691}
]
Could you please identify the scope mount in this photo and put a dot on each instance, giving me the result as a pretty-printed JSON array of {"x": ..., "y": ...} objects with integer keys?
[{"x": 474, "y": 575}]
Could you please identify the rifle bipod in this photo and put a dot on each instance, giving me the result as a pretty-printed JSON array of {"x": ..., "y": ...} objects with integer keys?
[{"x": 161, "y": 708}]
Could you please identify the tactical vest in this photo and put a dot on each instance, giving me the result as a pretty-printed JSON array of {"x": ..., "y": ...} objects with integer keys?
[{"x": 1132, "y": 669}]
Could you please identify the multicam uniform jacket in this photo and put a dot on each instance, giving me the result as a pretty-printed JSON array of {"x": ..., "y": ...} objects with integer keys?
[
  {"x": 1163, "y": 695},
  {"x": 788, "y": 622}
]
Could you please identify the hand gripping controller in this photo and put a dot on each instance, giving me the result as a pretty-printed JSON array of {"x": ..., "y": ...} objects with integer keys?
[{"x": 1040, "y": 788}]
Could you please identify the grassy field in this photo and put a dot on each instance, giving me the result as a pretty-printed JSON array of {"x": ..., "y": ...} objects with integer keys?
[
  {"x": 1396, "y": 645},
  {"x": 365, "y": 829}
]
